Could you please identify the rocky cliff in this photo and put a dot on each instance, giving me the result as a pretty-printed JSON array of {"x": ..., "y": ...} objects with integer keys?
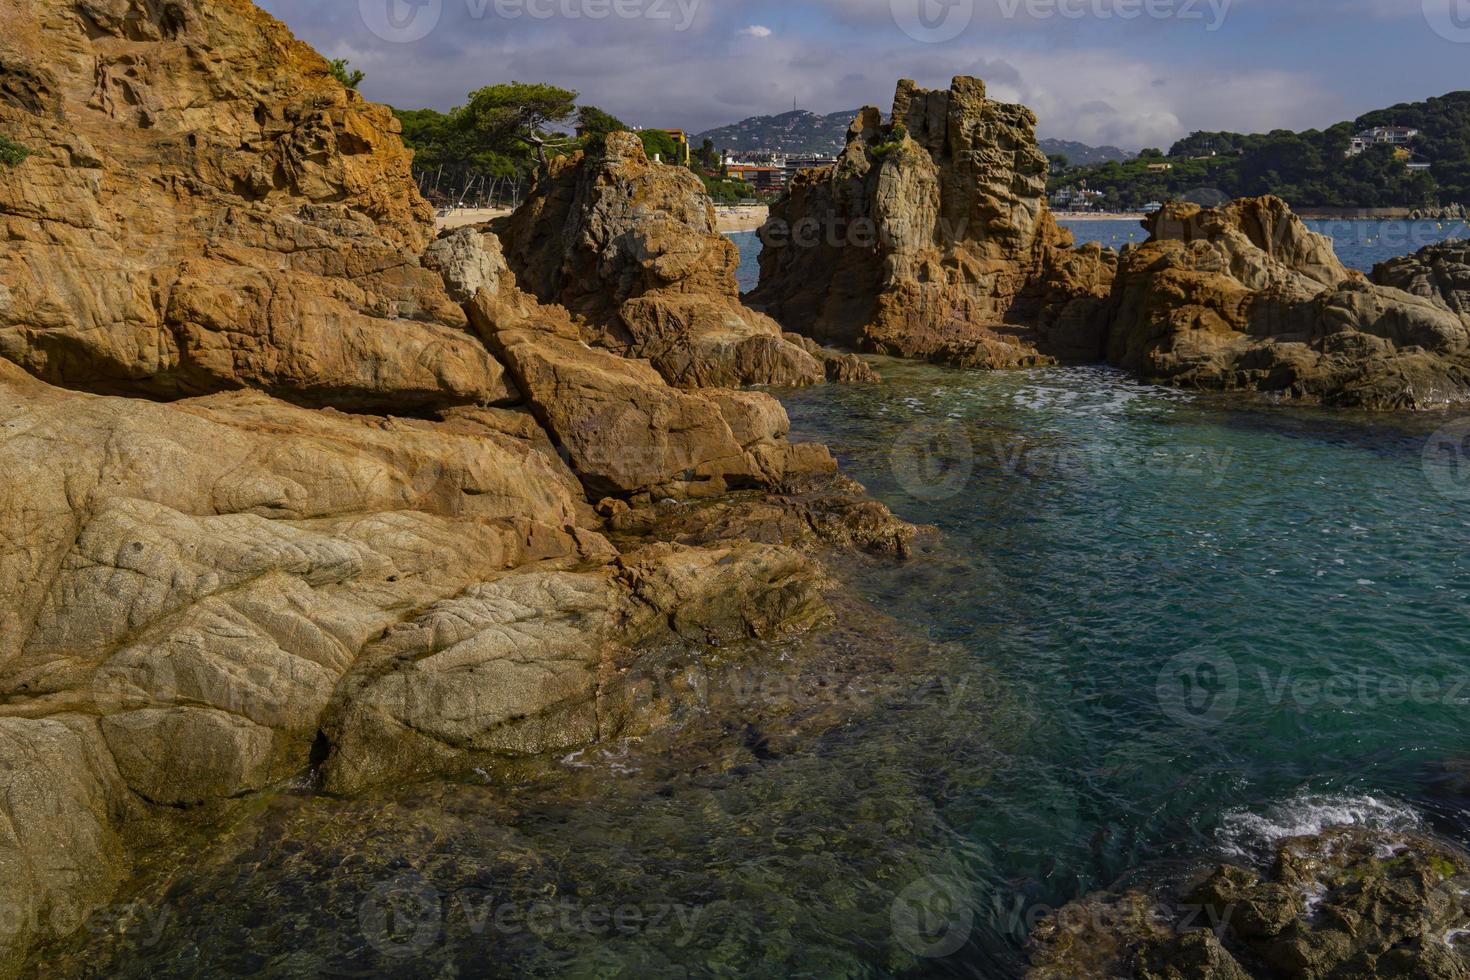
[
  {"x": 287, "y": 483},
  {"x": 1246, "y": 297},
  {"x": 930, "y": 238},
  {"x": 207, "y": 209},
  {"x": 631, "y": 246}
]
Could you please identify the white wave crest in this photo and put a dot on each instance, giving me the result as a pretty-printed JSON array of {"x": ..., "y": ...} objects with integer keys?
[{"x": 1250, "y": 834}]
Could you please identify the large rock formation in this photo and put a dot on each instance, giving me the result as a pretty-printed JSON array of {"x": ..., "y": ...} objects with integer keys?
[
  {"x": 623, "y": 429},
  {"x": 206, "y": 208},
  {"x": 1246, "y": 297},
  {"x": 197, "y": 590},
  {"x": 250, "y": 566},
  {"x": 930, "y": 238},
  {"x": 632, "y": 246}
]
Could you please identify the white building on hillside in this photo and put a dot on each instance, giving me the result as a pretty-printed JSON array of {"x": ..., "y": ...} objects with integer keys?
[{"x": 1381, "y": 136}]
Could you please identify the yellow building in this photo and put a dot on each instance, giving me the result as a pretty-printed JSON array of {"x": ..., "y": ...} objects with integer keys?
[{"x": 682, "y": 138}]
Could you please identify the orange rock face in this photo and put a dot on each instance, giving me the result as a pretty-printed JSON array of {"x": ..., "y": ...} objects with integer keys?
[
  {"x": 631, "y": 245},
  {"x": 206, "y": 208},
  {"x": 930, "y": 238},
  {"x": 266, "y": 443},
  {"x": 1245, "y": 296}
]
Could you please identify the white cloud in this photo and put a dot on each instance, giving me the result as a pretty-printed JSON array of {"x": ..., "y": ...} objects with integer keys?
[{"x": 1126, "y": 87}]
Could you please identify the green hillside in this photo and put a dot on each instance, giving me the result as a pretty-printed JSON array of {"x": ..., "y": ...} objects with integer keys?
[
  {"x": 800, "y": 133},
  {"x": 1309, "y": 169}
]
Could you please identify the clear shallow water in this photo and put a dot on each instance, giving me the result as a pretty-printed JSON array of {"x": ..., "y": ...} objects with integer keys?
[
  {"x": 1226, "y": 624},
  {"x": 1160, "y": 630}
]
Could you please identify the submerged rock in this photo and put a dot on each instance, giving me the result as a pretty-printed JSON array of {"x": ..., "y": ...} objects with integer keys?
[
  {"x": 930, "y": 238},
  {"x": 532, "y": 663},
  {"x": 1349, "y": 903}
]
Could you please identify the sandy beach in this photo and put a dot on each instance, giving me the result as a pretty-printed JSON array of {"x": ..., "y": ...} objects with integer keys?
[
  {"x": 741, "y": 218},
  {"x": 1099, "y": 215},
  {"x": 460, "y": 217},
  {"x": 729, "y": 218}
]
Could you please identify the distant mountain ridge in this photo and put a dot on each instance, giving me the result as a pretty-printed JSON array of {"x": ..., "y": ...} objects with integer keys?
[
  {"x": 798, "y": 132},
  {"x": 803, "y": 132},
  {"x": 1082, "y": 154}
]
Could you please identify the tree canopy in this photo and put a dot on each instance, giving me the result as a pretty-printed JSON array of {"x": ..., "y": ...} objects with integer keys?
[
  {"x": 593, "y": 122},
  {"x": 506, "y": 132},
  {"x": 517, "y": 111}
]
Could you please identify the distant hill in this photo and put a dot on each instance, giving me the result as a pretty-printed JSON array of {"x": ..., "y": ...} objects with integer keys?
[
  {"x": 798, "y": 132},
  {"x": 1082, "y": 154},
  {"x": 803, "y": 132},
  {"x": 1308, "y": 169}
]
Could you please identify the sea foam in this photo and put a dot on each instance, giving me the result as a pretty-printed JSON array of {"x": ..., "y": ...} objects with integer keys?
[{"x": 1253, "y": 835}]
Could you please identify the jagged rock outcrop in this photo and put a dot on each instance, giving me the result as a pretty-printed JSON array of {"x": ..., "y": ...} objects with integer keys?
[
  {"x": 184, "y": 584},
  {"x": 624, "y": 430},
  {"x": 930, "y": 238},
  {"x": 1439, "y": 273},
  {"x": 1450, "y": 212},
  {"x": 206, "y": 208},
  {"x": 193, "y": 586},
  {"x": 1246, "y": 297},
  {"x": 632, "y": 246},
  {"x": 1348, "y": 902}
]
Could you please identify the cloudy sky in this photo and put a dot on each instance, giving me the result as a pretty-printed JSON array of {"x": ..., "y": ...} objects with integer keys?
[{"x": 1128, "y": 72}]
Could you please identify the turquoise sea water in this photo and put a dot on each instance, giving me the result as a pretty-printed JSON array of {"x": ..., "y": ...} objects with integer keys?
[
  {"x": 1159, "y": 630},
  {"x": 1224, "y": 623},
  {"x": 1227, "y": 622}
]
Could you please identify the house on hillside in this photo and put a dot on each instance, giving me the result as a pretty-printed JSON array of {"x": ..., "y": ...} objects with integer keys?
[
  {"x": 794, "y": 165},
  {"x": 1077, "y": 199},
  {"x": 1381, "y": 136}
]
